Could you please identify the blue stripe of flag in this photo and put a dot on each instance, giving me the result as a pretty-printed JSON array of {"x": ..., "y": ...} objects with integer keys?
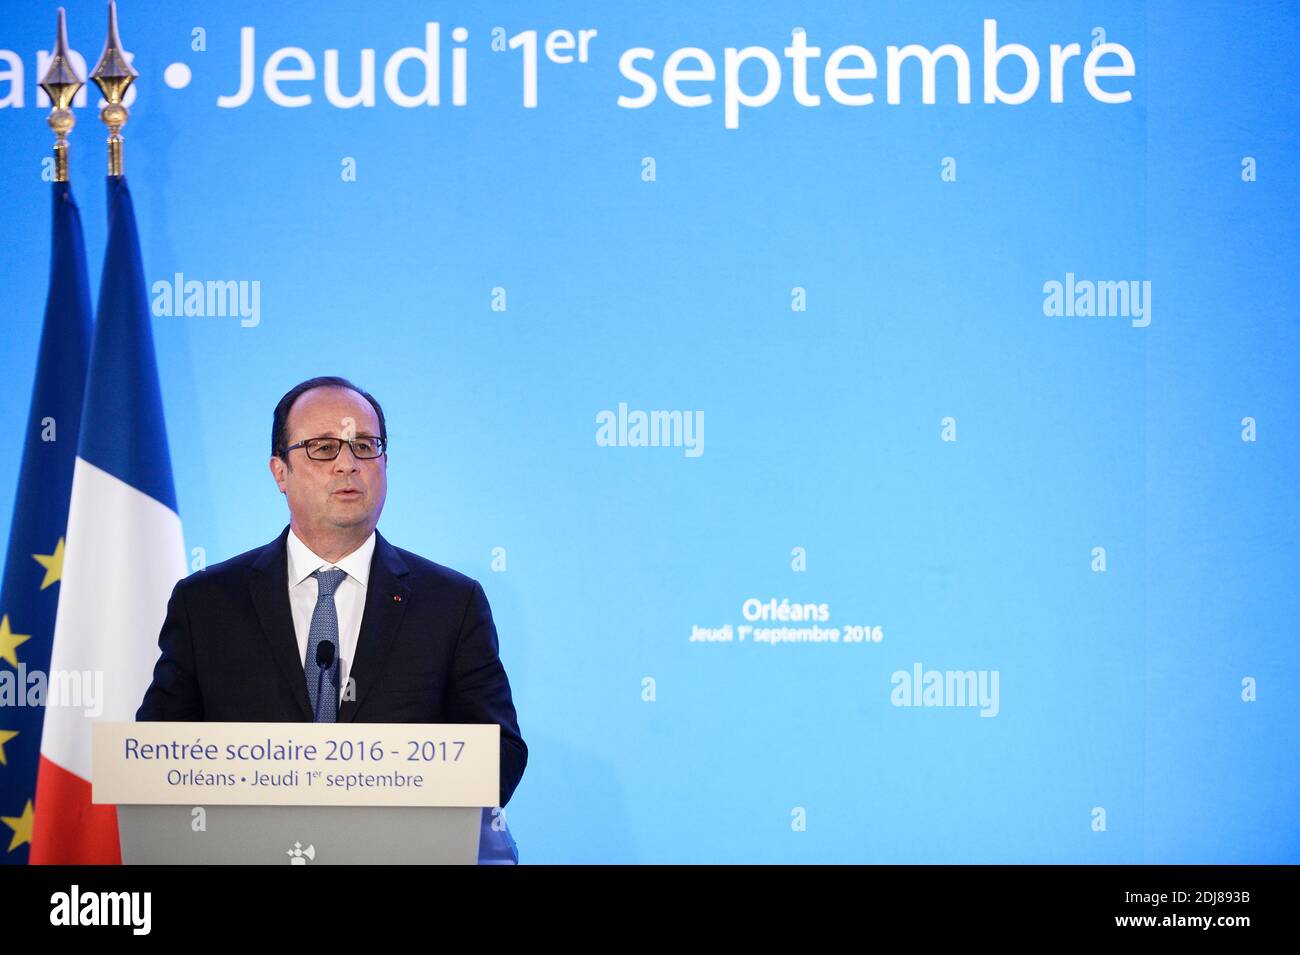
[{"x": 123, "y": 431}]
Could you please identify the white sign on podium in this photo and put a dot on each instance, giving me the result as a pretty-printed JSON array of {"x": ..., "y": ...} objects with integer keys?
[{"x": 300, "y": 793}]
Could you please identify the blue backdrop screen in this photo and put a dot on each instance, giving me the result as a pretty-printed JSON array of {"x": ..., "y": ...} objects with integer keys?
[{"x": 851, "y": 481}]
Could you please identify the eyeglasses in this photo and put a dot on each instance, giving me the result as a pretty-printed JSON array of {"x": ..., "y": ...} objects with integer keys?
[{"x": 363, "y": 447}]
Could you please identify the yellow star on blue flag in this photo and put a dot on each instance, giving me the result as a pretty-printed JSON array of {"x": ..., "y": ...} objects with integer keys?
[
  {"x": 53, "y": 564},
  {"x": 10, "y": 642},
  {"x": 22, "y": 827}
]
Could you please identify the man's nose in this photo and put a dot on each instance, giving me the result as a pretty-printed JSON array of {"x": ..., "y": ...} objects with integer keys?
[{"x": 346, "y": 461}]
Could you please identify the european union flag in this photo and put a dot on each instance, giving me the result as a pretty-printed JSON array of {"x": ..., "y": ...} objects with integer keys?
[{"x": 29, "y": 595}]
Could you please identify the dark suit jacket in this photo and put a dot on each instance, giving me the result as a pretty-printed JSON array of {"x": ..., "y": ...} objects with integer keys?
[{"x": 427, "y": 651}]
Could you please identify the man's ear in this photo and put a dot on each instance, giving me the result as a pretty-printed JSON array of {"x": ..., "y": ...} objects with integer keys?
[{"x": 278, "y": 470}]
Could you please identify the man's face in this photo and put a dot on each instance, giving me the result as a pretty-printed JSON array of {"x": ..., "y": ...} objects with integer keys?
[{"x": 328, "y": 496}]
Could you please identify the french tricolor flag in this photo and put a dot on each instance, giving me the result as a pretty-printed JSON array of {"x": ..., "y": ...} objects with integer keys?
[{"x": 123, "y": 555}]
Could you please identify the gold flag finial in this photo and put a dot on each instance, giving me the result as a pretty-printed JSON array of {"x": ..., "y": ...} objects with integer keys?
[
  {"x": 113, "y": 75},
  {"x": 61, "y": 83}
]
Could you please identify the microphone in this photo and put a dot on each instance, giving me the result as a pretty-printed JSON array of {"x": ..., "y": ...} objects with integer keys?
[{"x": 324, "y": 660}]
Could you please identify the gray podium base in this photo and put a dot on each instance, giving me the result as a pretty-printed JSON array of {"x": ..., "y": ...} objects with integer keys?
[{"x": 300, "y": 835}]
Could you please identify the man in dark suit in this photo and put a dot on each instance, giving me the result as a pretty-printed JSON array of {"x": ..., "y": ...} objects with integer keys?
[{"x": 408, "y": 640}]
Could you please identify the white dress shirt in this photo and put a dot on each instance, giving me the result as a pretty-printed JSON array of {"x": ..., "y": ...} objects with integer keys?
[{"x": 349, "y": 598}]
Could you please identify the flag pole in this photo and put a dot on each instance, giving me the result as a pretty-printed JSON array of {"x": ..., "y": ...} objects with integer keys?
[
  {"x": 61, "y": 84},
  {"x": 113, "y": 75}
]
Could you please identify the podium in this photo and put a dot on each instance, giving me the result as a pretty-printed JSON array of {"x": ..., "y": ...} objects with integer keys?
[{"x": 303, "y": 793}]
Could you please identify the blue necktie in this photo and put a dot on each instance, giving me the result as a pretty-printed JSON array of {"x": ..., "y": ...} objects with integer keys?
[{"x": 324, "y": 626}]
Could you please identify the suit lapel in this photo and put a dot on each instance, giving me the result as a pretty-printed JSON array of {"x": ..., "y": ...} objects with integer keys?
[
  {"x": 386, "y": 599},
  {"x": 268, "y": 581}
]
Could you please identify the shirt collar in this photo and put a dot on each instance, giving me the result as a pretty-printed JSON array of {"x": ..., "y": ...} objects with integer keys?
[{"x": 302, "y": 562}]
